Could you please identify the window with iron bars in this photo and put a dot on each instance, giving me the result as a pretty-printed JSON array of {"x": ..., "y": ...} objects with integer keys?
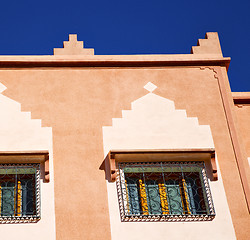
[
  {"x": 19, "y": 193},
  {"x": 167, "y": 191}
]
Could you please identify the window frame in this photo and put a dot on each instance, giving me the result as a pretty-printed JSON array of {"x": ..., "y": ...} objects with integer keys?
[
  {"x": 40, "y": 159},
  {"x": 135, "y": 156},
  {"x": 122, "y": 195},
  {"x": 36, "y": 189}
]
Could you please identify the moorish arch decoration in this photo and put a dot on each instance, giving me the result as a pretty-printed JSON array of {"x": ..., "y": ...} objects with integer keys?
[
  {"x": 154, "y": 125},
  {"x": 22, "y": 139}
]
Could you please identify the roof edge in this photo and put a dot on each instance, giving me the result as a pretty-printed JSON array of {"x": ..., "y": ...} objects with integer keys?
[
  {"x": 241, "y": 97},
  {"x": 113, "y": 61}
]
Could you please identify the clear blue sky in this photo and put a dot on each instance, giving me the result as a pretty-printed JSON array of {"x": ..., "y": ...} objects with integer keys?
[{"x": 129, "y": 27}]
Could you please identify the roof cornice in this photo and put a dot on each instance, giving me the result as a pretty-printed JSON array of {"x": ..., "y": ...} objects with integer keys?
[{"x": 113, "y": 61}]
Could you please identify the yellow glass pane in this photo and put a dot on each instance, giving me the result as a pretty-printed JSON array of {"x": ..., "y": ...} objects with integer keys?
[
  {"x": 127, "y": 196},
  {"x": 186, "y": 195},
  {"x": 163, "y": 197},
  {"x": 144, "y": 203},
  {"x": 19, "y": 198}
]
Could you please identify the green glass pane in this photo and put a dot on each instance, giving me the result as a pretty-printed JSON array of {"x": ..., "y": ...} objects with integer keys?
[
  {"x": 174, "y": 198},
  {"x": 9, "y": 171},
  {"x": 161, "y": 169},
  {"x": 153, "y": 197}
]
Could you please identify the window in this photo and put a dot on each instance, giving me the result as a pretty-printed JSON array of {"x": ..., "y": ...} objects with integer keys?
[
  {"x": 19, "y": 192},
  {"x": 164, "y": 191}
]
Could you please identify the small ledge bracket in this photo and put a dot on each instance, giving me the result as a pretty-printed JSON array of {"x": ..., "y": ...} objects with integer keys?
[
  {"x": 206, "y": 155},
  {"x": 23, "y": 157}
]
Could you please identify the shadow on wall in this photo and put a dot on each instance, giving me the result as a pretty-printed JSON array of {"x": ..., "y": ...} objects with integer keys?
[{"x": 105, "y": 166}]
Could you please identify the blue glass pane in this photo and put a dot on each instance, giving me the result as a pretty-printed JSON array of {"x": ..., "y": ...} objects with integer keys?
[
  {"x": 27, "y": 197},
  {"x": 190, "y": 199},
  {"x": 7, "y": 199},
  {"x": 133, "y": 196}
]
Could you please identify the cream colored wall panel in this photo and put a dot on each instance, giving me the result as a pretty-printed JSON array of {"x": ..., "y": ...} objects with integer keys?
[
  {"x": 154, "y": 123},
  {"x": 18, "y": 132}
]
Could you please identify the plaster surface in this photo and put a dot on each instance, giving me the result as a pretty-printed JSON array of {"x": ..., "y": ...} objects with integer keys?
[
  {"x": 243, "y": 118},
  {"x": 77, "y": 101}
]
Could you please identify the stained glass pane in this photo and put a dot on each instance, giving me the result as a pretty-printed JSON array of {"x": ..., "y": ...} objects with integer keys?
[
  {"x": 7, "y": 200},
  {"x": 18, "y": 190},
  {"x": 133, "y": 195},
  {"x": 164, "y": 189},
  {"x": 174, "y": 198},
  {"x": 154, "y": 201}
]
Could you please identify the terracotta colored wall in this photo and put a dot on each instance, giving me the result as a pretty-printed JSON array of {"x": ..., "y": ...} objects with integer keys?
[
  {"x": 76, "y": 103},
  {"x": 243, "y": 119},
  {"x": 242, "y": 113}
]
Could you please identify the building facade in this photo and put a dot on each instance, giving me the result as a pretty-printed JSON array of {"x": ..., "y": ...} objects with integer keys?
[{"x": 123, "y": 147}]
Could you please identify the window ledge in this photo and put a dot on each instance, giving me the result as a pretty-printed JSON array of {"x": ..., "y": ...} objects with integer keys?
[
  {"x": 27, "y": 157},
  {"x": 159, "y": 155}
]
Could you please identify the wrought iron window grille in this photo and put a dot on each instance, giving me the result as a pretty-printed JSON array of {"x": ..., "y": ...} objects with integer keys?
[
  {"x": 164, "y": 191},
  {"x": 19, "y": 193}
]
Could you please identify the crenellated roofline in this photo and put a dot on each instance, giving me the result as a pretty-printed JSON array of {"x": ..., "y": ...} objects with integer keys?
[{"x": 73, "y": 54}]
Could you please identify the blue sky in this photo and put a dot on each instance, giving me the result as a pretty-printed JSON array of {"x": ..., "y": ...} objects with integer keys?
[{"x": 129, "y": 27}]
